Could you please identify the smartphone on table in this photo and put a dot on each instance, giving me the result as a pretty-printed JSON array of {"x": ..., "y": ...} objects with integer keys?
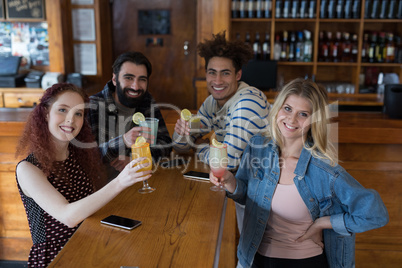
[
  {"x": 121, "y": 222},
  {"x": 197, "y": 175}
]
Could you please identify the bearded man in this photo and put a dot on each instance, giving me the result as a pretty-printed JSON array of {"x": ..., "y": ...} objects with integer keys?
[{"x": 111, "y": 112}]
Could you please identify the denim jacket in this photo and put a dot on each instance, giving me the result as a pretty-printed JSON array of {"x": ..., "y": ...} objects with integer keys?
[{"x": 326, "y": 190}]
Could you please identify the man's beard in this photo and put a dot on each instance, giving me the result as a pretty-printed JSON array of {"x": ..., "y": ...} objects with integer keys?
[{"x": 127, "y": 101}]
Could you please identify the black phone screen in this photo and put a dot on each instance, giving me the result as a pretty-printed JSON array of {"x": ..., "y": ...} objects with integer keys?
[
  {"x": 121, "y": 222},
  {"x": 197, "y": 175}
]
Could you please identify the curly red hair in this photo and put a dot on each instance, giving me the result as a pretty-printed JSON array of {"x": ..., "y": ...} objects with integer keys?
[{"x": 36, "y": 135}]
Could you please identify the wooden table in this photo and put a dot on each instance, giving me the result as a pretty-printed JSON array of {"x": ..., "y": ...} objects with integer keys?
[{"x": 182, "y": 225}]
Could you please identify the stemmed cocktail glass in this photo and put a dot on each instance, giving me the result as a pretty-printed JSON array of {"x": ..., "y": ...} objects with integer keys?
[
  {"x": 218, "y": 162},
  {"x": 142, "y": 150}
]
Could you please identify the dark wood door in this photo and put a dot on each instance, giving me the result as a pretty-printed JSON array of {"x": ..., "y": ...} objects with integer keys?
[{"x": 173, "y": 69}]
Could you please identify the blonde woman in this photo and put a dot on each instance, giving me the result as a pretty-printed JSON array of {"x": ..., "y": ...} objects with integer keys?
[{"x": 302, "y": 208}]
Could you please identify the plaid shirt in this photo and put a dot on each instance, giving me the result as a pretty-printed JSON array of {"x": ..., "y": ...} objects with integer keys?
[{"x": 103, "y": 115}]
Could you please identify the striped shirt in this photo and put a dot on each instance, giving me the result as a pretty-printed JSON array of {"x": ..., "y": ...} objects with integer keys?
[{"x": 240, "y": 118}]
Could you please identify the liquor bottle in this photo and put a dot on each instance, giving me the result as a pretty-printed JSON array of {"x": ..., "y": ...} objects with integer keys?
[
  {"x": 354, "y": 49},
  {"x": 324, "y": 9},
  {"x": 367, "y": 8},
  {"x": 365, "y": 47},
  {"x": 311, "y": 9},
  {"x": 295, "y": 10},
  {"x": 330, "y": 46},
  {"x": 392, "y": 9},
  {"x": 390, "y": 48},
  {"x": 373, "y": 43},
  {"x": 292, "y": 47},
  {"x": 286, "y": 8},
  {"x": 299, "y": 46},
  {"x": 346, "y": 47},
  {"x": 336, "y": 47},
  {"x": 278, "y": 9},
  {"x": 235, "y": 9},
  {"x": 277, "y": 47},
  {"x": 247, "y": 41},
  {"x": 331, "y": 9},
  {"x": 339, "y": 9},
  {"x": 348, "y": 9},
  {"x": 238, "y": 37},
  {"x": 284, "y": 46},
  {"x": 398, "y": 50},
  {"x": 267, "y": 7},
  {"x": 356, "y": 9},
  {"x": 308, "y": 47},
  {"x": 384, "y": 8},
  {"x": 303, "y": 9},
  {"x": 322, "y": 46},
  {"x": 258, "y": 9},
  {"x": 379, "y": 50},
  {"x": 242, "y": 9},
  {"x": 399, "y": 13},
  {"x": 266, "y": 47},
  {"x": 257, "y": 46},
  {"x": 251, "y": 9},
  {"x": 375, "y": 9}
]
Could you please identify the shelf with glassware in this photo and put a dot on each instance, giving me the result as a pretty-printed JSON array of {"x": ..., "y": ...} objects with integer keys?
[{"x": 346, "y": 70}]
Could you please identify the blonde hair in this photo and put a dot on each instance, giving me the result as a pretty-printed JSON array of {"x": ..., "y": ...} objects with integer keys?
[{"x": 317, "y": 137}]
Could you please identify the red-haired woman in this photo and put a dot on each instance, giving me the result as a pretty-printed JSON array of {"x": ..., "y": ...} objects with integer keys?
[{"x": 57, "y": 181}]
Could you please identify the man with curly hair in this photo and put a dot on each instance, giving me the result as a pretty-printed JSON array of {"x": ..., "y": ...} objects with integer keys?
[{"x": 235, "y": 111}]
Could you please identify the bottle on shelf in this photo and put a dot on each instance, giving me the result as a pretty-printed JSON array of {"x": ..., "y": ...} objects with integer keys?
[
  {"x": 354, "y": 49},
  {"x": 303, "y": 11},
  {"x": 284, "y": 46},
  {"x": 235, "y": 9},
  {"x": 294, "y": 11},
  {"x": 379, "y": 52},
  {"x": 267, "y": 8},
  {"x": 383, "y": 10},
  {"x": 390, "y": 48},
  {"x": 247, "y": 41},
  {"x": 323, "y": 48},
  {"x": 258, "y": 9},
  {"x": 238, "y": 37},
  {"x": 331, "y": 9},
  {"x": 242, "y": 9},
  {"x": 266, "y": 47},
  {"x": 399, "y": 13},
  {"x": 336, "y": 47},
  {"x": 251, "y": 9},
  {"x": 365, "y": 48},
  {"x": 277, "y": 47},
  {"x": 339, "y": 9},
  {"x": 324, "y": 9},
  {"x": 299, "y": 46},
  {"x": 308, "y": 47},
  {"x": 375, "y": 9},
  {"x": 257, "y": 46},
  {"x": 311, "y": 9},
  {"x": 286, "y": 9},
  {"x": 372, "y": 47},
  {"x": 392, "y": 9},
  {"x": 347, "y": 12},
  {"x": 346, "y": 47},
  {"x": 278, "y": 9},
  {"x": 292, "y": 47},
  {"x": 367, "y": 9},
  {"x": 356, "y": 9},
  {"x": 398, "y": 49}
]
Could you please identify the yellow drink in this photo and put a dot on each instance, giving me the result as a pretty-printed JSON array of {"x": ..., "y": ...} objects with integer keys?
[{"x": 142, "y": 151}]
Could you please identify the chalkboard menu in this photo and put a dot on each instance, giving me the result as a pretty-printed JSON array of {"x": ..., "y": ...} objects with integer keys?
[{"x": 25, "y": 9}]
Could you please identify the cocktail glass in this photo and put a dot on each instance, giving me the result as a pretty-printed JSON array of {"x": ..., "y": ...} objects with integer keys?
[
  {"x": 218, "y": 162},
  {"x": 151, "y": 123},
  {"x": 143, "y": 151}
]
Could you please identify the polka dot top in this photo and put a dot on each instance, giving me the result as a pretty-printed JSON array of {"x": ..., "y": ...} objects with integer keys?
[{"x": 48, "y": 234}]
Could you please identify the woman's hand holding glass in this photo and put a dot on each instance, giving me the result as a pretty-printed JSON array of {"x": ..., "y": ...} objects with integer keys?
[
  {"x": 228, "y": 181},
  {"x": 133, "y": 173}
]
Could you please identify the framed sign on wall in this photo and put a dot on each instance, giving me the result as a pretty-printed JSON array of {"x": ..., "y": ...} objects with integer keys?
[{"x": 33, "y": 10}]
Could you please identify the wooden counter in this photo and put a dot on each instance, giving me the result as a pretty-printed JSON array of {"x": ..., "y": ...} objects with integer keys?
[{"x": 182, "y": 226}]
